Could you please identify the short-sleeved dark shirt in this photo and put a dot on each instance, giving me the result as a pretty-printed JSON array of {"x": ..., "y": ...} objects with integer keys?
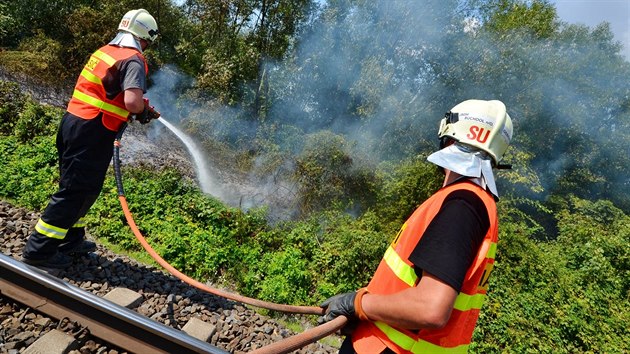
[
  {"x": 452, "y": 239},
  {"x": 128, "y": 74},
  {"x": 133, "y": 74}
]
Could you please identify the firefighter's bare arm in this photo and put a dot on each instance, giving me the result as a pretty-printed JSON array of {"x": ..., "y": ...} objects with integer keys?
[
  {"x": 427, "y": 305},
  {"x": 133, "y": 100},
  {"x": 143, "y": 112}
]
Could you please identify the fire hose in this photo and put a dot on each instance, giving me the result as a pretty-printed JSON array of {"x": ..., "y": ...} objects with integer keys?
[{"x": 284, "y": 346}]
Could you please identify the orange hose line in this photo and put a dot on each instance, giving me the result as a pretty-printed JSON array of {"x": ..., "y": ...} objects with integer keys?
[
  {"x": 283, "y": 346},
  {"x": 297, "y": 341},
  {"x": 311, "y": 310}
]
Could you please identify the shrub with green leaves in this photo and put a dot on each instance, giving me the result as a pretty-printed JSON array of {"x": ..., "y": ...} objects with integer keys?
[
  {"x": 36, "y": 120},
  {"x": 327, "y": 175},
  {"x": 12, "y": 101},
  {"x": 39, "y": 57},
  {"x": 28, "y": 171},
  {"x": 564, "y": 296},
  {"x": 406, "y": 185}
]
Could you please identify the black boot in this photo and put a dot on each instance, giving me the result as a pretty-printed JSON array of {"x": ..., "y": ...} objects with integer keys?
[{"x": 57, "y": 261}]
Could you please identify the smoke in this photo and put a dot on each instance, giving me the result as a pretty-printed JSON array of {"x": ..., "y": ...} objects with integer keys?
[
  {"x": 214, "y": 135},
  {"x": 383, "y": 73}
]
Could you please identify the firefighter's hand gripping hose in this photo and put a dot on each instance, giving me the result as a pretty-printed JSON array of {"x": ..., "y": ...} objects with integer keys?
[{"x": 284, "y": 346}]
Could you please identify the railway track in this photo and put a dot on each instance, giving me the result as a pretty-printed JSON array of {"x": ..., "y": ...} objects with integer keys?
[
  {"x": 164, "y": 301},
  {"x": 103, "y": 319}
]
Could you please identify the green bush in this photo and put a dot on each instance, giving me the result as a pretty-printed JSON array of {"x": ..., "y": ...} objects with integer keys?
[
  {"x": 327, "y": 175},
  {"x": 563, "y": 296},
  {"x": 38, "y": 57},
  {"x": 406, "y": 185},
  {"x": 282, "y": 276},
  {"x": 12, "y": 101},
  {"x": 28, "y": 171},
  {"x": 36, "y": 120}
]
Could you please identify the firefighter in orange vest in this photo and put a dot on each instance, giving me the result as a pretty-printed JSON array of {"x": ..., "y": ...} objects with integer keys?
[
  {"x": 108, "y": 92},
  {"x": 427, "y": 291}
]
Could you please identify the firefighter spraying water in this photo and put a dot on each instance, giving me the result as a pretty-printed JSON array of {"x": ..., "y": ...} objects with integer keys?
[{"x": 108, "y": 93}]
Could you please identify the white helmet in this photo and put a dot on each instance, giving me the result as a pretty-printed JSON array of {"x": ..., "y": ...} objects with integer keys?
[
  {"x": 139, "y": 23},
  {"x": 481, "y": 124}
]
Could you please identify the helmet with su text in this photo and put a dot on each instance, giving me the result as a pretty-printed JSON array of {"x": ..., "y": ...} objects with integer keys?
[
  {"x": 482, "y": 124},
  {"x": 139, "y": 23}
]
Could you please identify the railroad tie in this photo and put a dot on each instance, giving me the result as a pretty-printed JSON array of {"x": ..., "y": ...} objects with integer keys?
[
  {"x": 124, "y": 297},
  {"x": 199, "y": 329},
  {"x": 53, "y": 342}
]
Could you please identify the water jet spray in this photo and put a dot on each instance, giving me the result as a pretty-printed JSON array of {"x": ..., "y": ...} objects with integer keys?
[{"x": 206, "y": 181}]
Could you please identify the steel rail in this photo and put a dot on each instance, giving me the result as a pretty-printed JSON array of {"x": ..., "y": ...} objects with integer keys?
[{"x": 108, "y": 321}]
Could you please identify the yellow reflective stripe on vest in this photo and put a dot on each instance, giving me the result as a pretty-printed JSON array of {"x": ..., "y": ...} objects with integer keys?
[
  {"x": 79, "y": 223},
  {"x": 417, "y": 346},
  {"x": 403, "y": 271},
  {"x": 492, "y": 251},
  {"x": 105, "y": 57},
  {"x": 107, "y": 107},
  {"x": 91, "y": 77},
  {"x": 465, "y": 302},
  {"x": 49, "y": 230}
]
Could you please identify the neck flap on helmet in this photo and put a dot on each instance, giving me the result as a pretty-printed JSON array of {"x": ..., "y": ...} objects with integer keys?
[
  {"x": 124, "y": 39},
  {"x": 467, "y": 161}
]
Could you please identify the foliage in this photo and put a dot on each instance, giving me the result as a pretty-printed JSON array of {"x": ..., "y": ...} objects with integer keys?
[
  {"x": 28, "y": 155},
  {"x": 28, "y": 170},
  {"x": 238, "y": 35},
  {"x": 36, "y": 120},
  {"x": 565, "y": 296},
  {"x": 7, "y": 25},
  {"x": 88, "y": 29},
  {"x": 407, "y": 184},
  {"x": 12, "y": 101},
  {"x": 327, "y": 174},
  {"x": 39, "y": 57},
  {"x": 537, "y": 17}
]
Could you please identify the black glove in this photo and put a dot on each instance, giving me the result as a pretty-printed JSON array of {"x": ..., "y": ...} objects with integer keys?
[
  {"x": 148, "y": 113},
  {"x": 348, "y": 304},
  {"x": 342, "y": 304}
]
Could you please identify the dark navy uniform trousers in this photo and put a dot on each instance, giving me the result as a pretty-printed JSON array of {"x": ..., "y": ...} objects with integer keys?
[{"x": 85, "y": 149}]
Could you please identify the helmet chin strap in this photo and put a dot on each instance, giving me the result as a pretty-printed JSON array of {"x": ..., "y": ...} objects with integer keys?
[{"x": 124, "y": 39}]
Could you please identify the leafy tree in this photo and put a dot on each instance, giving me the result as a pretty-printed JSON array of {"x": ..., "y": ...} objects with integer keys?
[
  {"x": 7, "y": 26},
  {"x": 327, "y": 175},
  {"x": 538, "y": 17},
  {"x": 406, "y": 185},
  {"x": 88, "y": 30},
  {"x": 48, "y": 17},
  {"x": 237, "y": 36},
  {"x": 551, "y": 95}
]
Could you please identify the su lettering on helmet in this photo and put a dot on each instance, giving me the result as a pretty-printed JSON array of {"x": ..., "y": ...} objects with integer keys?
[
  {"x": 91, "y": 64},
  {"x": 485, "y": 277},
  {"x": 124, "y": 22},
  {"x": 476, "y": 133}
]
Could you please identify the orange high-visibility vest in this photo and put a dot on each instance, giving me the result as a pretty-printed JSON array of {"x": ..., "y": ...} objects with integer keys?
[
  {"x": 89, "y": 96},
  {"x": 396, "y": 273}
]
